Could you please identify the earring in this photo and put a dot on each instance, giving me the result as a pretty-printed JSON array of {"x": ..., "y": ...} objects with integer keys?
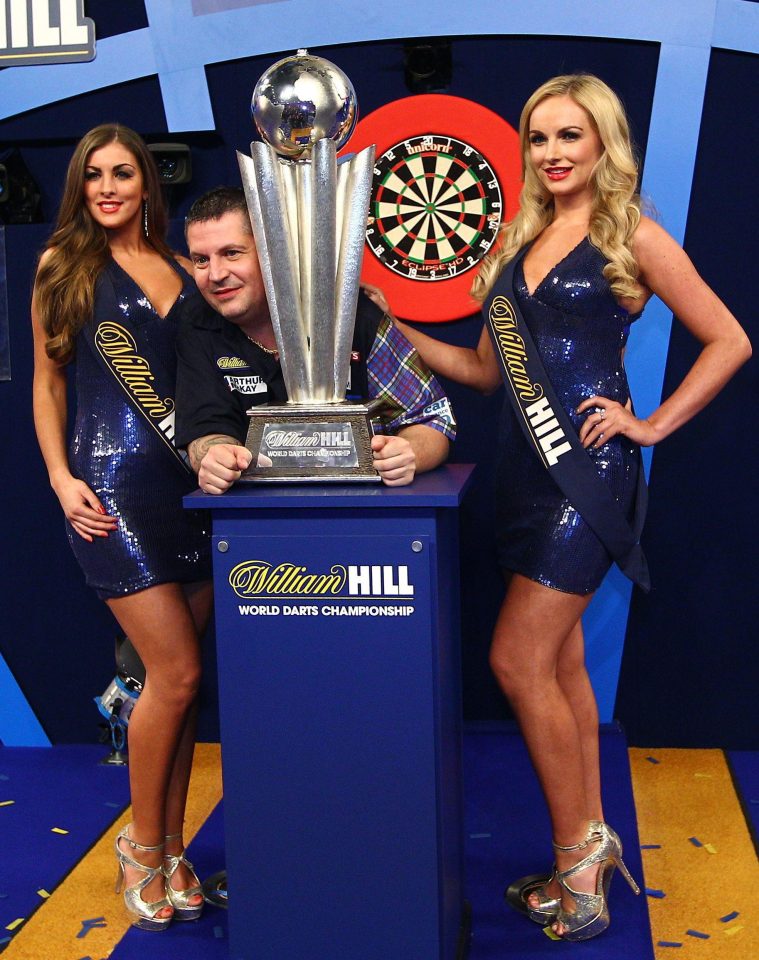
[{"x": 145, "y": 217}]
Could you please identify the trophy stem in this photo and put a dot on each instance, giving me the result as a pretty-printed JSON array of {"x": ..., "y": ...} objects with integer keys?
[
  {"x": 352, "y": 230},
  {"x": 323, "y": 271}
]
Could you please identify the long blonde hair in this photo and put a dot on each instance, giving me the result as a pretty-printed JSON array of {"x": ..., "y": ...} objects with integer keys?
[
  {"x": 615, "y": 212},
  {"x": 77, "y": 251}
]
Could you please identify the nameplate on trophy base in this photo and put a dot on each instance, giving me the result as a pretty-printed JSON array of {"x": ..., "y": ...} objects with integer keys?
[{"x": 312, "y": 443}]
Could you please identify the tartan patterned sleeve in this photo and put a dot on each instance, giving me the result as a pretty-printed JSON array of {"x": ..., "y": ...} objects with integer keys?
[{"x": 411, "y": 394}]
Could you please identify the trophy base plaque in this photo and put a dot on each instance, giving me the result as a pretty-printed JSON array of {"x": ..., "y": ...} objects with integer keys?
[{"x": 311, "y": 443}]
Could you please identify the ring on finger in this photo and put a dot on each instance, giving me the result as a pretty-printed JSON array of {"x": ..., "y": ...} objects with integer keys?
[{"x": 602, "y": 413}]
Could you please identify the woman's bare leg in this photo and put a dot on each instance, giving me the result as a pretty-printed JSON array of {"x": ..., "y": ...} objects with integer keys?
[
  {"x": 537, "y": 629},
  {"x": 200, "y": 600},
  {"x": 160, "y": 626}
]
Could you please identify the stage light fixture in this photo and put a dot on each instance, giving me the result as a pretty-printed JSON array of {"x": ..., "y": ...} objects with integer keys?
[
  {"x": 20, "y": 198},
  {"x": 120, "y": 696},
  {"x": 174, "y": 162},
  {"x": 427, "y": 64}
]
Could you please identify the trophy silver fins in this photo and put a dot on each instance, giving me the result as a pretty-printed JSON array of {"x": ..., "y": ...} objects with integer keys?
[{"x": 309, "y": 213}]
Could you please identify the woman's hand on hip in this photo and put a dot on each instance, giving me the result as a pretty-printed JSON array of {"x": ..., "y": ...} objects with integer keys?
[
  {"x": 83, "y": 509},
  {"x": 607, "y": 418}
]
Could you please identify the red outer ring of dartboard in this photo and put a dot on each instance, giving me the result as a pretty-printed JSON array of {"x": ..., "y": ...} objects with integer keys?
[{"x": 498, "y": 142}]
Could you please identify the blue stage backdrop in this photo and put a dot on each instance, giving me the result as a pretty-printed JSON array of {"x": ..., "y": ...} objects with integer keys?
[{"x": 668, "y": 62}]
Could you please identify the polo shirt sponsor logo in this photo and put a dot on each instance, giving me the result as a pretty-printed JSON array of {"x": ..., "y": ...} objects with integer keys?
[
  {"x": 247, "y": 385},
  {"x": 441, "y": 409},
  {"x": 230, "y": 363}
]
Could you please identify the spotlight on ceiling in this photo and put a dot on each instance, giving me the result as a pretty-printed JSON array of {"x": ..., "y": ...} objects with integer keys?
[{"x": 427, "y": 64}]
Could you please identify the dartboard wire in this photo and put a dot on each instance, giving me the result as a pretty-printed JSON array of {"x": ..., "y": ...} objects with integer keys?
[
  {"x": 474, "y": 208},
  {"x": 465, "y": 231},
  {"x": 442, "y": 169},
  {"x": 393, "y": 237},
  {"x": 415, "y": 167},
  {"x": 469, "y": 230},
  {"x": 456, "y": 189},
  {"x": 398, "y": 186}
]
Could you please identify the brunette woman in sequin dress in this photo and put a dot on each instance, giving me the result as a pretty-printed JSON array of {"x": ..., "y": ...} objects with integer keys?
[
  {"x": 595, "y": 259},
  {"x": 120, "y": 484}
]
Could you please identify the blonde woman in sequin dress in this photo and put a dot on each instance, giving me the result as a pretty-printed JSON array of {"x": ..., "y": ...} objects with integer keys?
[{"x": 593, "y": 262}]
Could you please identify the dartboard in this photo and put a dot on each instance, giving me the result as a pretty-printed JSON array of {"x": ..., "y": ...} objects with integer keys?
[
  {"x": 436, "y": 207},
  {"x": 447, "y": 173}
]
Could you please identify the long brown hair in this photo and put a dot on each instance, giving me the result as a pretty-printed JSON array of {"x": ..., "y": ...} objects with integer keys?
[
  {"x": 616, "y": 204},
  {"x": 77, "y": 251}
]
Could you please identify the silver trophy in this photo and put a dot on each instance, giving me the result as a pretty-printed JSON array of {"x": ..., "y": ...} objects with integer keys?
[{"x": 309, "y": 213}]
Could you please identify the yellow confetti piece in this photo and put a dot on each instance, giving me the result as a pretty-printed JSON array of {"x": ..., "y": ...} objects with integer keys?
[
  {"x": 16, "y": 923},
  {"x": 729, "y": 931},
  {"x": 704, "y": 776},
  {"x": 710, "y": 848},
  {"x": 58, "y": 830},
  {"x": 6, "y": 803},
  {"x": 550, "y": 934},
  {"x": 43, "y": 893}
]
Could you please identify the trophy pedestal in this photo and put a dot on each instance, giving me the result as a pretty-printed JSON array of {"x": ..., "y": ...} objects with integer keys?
[
  {"x": 337, "y": 630},
  {"x": 311, "y": 443}
]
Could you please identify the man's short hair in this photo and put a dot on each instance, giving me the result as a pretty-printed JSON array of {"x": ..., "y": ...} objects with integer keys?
[{"x": 215, "y": 203}]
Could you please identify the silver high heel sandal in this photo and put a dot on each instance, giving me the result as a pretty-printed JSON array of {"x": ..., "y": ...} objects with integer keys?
[
  {"x": 548, "y": 908},
  {"x": 143, "y": 912},
  {"x": 591, "y": 914},
  {"x": 517, "y": 896},
  {"x": 180, "y": 899}
]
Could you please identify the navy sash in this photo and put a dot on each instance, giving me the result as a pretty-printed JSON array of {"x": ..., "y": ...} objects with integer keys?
[
  {"x": 551, "y": 434},
  {"x": 139, "y": 374}
]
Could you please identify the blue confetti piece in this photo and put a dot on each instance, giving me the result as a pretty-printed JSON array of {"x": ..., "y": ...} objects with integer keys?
[
  {"x": 88, "y": 925},
  {"x": 218, "y": 932},
  {"x": 652, "y": 759},
  {"x": 5, "y": 939},
  {"x": 110, "y": 803},
  {"x": 3, "y": 896},
  {"x": 729, "y": 916},
  {"x": 659, "y": 894},
  {"x": 4, "y": 776},
  {"x": 695, "y": 841},
  {"x": 668, "y": 943},
  {"x": 480, "y": 836},
  {"x": 754, "y": 801},
  {"x": 650, "y": 846},
  {"x": 697, "y": 933}
]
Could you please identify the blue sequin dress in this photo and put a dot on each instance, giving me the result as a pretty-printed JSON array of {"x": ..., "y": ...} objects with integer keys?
[
  {"x": 119, "y": 456},
  {"x": 580, "y": 332}
]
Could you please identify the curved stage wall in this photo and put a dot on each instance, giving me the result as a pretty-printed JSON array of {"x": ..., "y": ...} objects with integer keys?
[{"x": 183, "y": 70}]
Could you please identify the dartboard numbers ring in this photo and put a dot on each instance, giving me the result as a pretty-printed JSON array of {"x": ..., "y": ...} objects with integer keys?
[{"x": 436, "y": 208}]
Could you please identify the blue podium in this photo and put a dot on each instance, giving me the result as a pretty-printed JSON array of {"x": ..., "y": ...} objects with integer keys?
[{"x": 337, "y": 623}]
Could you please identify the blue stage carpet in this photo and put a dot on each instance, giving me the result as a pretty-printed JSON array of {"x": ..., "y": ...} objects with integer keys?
[
  {"x": 508, "y": 836},
  {"x": 61, "y": 789},
  {"x": 744, "y": 765}
]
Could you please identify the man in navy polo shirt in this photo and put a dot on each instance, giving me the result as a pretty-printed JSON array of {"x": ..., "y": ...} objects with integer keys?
[{"x": 228, "y": 361}]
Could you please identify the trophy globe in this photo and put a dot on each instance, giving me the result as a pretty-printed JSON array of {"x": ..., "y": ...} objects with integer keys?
[{"x": 302, "y": 99}]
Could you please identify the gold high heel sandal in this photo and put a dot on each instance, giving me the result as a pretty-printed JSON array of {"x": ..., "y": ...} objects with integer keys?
[
  {"x": 591, "y": 914},
  {"x": 143, "y": 912},
  {"x": 180, "y": 899}
]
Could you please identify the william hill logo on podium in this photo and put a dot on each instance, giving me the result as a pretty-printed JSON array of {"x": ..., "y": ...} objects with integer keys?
[
  {"x": 46, "y": 31},
  {"x": 288, "y": 589}
]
